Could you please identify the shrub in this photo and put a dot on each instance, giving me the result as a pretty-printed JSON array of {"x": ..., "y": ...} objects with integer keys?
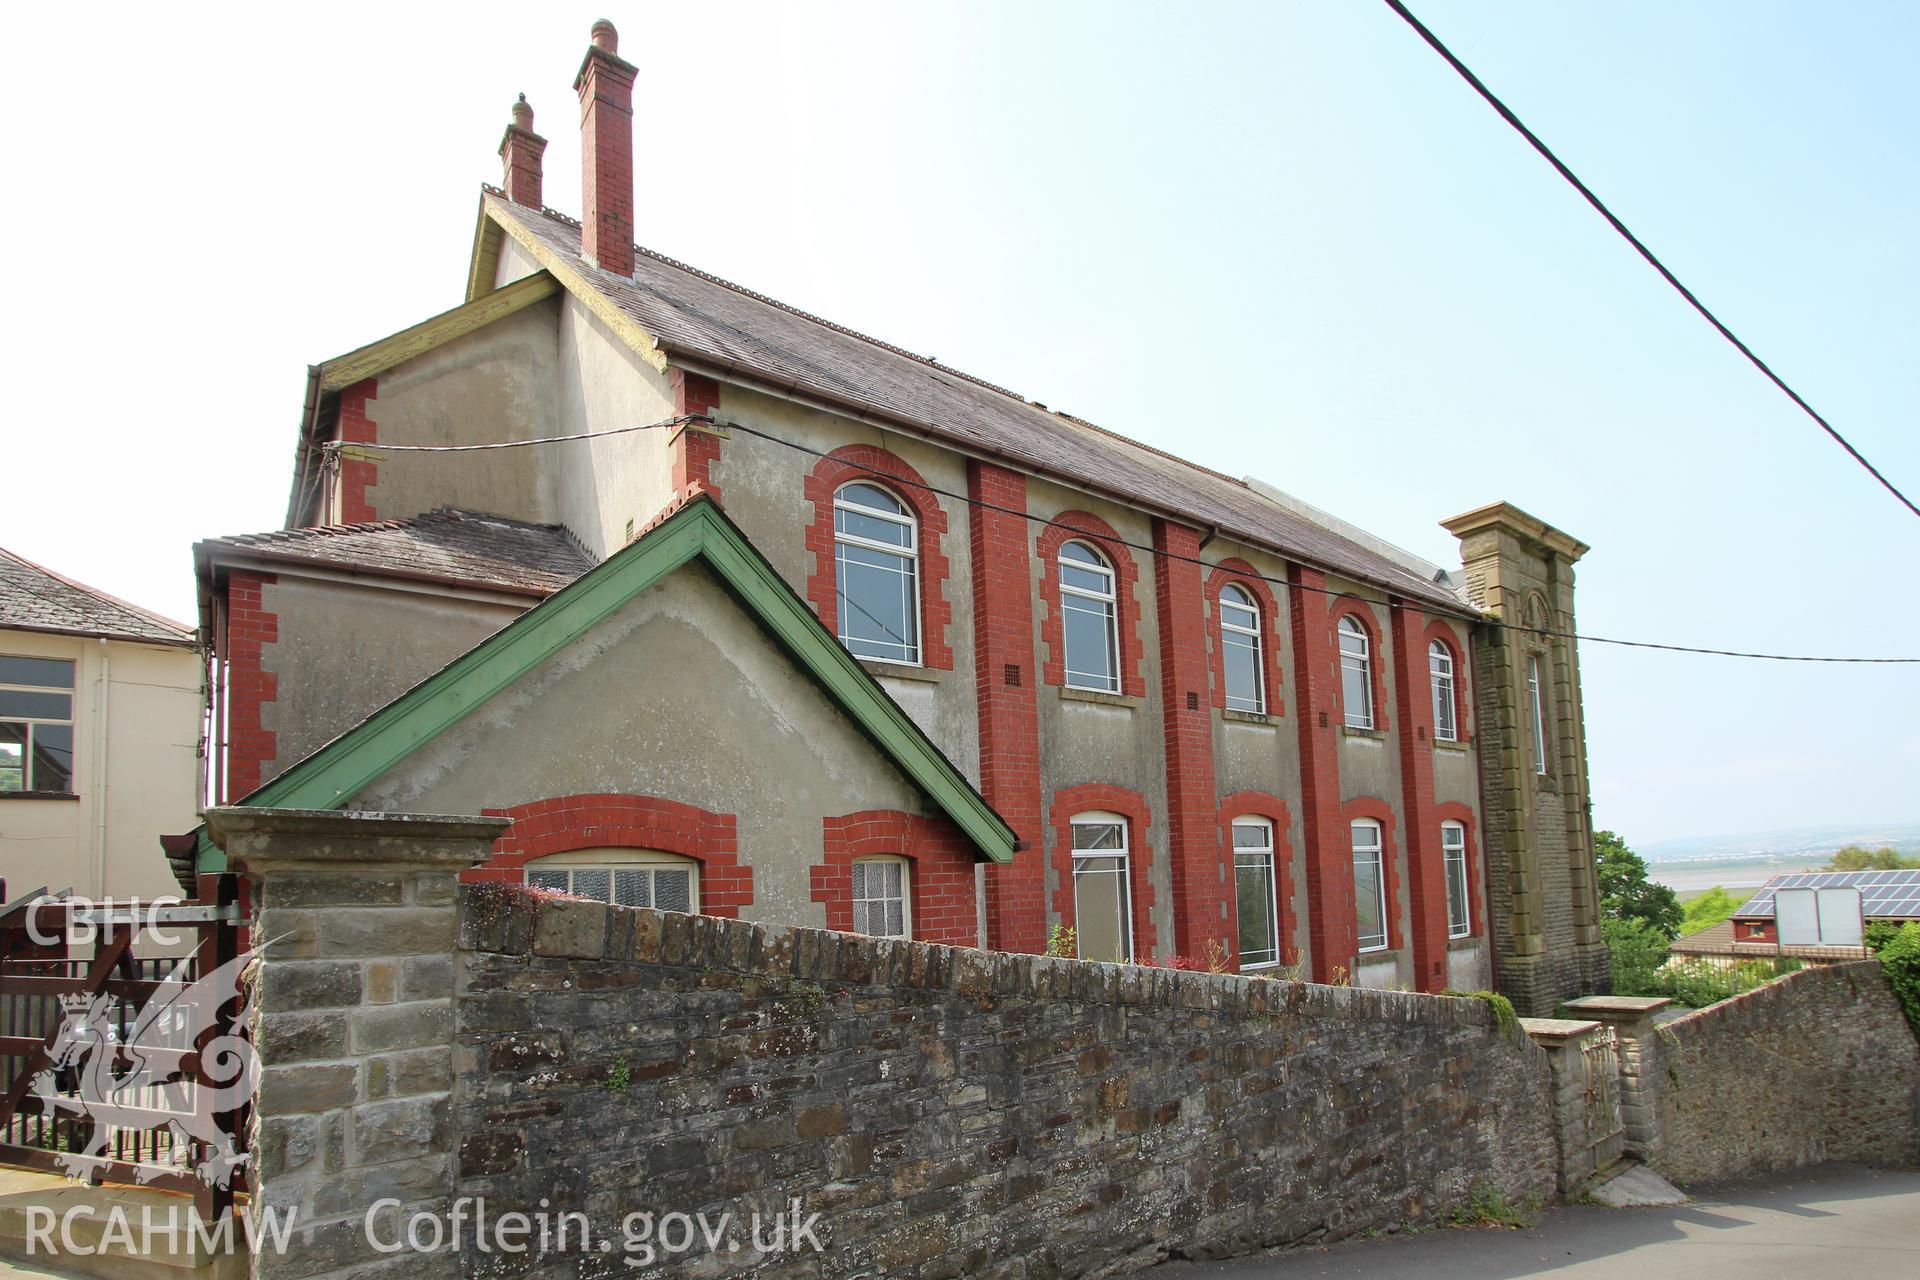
[
  {"x": 1900, "y": 958},
  {"x": 1639, "y": 949},
  {"x": 1698, "y": 983},
  {"x": 1879, "y": 933}
]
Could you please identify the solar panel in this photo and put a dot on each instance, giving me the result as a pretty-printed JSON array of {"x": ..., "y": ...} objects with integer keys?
[{"x": 1883, "y": 894}]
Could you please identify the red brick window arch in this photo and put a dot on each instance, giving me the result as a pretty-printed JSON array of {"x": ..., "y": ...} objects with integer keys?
[
  {"x": 1362, "y": 815},
  {"x": 1466, "y": 911},
  {"x": 1254, "y": 824},
  {"x": 936, "y": 879},
  {"x": 1360, "y": 650},
  {"x": 568, "y": 824},
  {"x": 1091, "y": 808},
  {"x": 1089, "y": 544},
  {"x": 1446, "y": 653},
  {"x": 853, "y": 532},
  {"x": 1244, "y": 579}
]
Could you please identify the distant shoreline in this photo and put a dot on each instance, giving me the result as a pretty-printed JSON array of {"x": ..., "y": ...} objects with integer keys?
[{"x": 1697, "y": 875}]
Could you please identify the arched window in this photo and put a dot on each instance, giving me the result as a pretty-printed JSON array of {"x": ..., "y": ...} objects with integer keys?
[
  {"x": 625, "y": 877},
  {"x": 1536, "y": 705},
  {"x": 1453, "y": 850},
  {"x": 1369, "y": 884},
  {"x": 1102, "y": 908},
  {"x": 882, "y": 906},
  {"x": 1440, "y": 665},
  {"x": 1356, "y": 672},
  {"x": 876, "y": 550},
  {"x": 1253, "y": 881},
  {"x": 1089, "y": 619},
  {"x": 1240, "y": 655}
]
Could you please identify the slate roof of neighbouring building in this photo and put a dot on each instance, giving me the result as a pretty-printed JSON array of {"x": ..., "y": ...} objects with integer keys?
[
  {"x": 709, "y": 320},
  {"x": 1884, "y": 895},
  {"x": 35, "y": 598},
  {"x": 467, "y": 547},
  {"x": 1718, "y": 940}
]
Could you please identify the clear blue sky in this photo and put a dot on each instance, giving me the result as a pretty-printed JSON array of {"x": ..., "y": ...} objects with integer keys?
[{"x": 1282, "y": 239}]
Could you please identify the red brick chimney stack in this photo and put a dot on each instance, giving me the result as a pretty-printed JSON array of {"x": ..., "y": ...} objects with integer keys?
[
  {"x": 520, "y": 152},
  {"x": 605, "y": 86}
]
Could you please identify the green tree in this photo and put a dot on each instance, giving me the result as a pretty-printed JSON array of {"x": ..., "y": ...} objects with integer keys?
[
  {"x": 1709, "y": 909},
  {"x": 1857, "y": 857},
  {"x": 1625, "y": 891}
]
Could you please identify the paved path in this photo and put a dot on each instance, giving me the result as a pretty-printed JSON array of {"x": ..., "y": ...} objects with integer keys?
[{"x": 1832, "y": 1223}]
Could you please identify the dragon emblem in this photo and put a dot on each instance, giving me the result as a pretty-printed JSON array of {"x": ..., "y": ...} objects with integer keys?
[{"x": 115, "y": 1071}]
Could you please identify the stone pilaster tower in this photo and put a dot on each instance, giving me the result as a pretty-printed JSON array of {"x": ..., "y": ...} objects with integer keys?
[{"x": 1542, "y": 891}]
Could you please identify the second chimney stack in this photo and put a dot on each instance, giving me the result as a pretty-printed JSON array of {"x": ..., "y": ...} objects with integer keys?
[{"x": 605, "y": 86}]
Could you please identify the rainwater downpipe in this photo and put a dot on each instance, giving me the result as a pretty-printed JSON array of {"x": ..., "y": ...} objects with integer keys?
[{"x": 100, "y": 771}]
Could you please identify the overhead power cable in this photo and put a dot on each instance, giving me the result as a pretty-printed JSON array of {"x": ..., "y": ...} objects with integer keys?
[
  {"x": 729, "y": 424},
  {"x": 1533, "y": 139}
]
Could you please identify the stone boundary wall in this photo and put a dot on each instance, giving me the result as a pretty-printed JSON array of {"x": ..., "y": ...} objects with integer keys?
[
  {"x": 1818, "y": 1065},
  {"x": 949, "y": 1111}
]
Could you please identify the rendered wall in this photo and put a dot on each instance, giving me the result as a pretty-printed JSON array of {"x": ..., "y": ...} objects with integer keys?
[
  {"x": 950, "y": 1111},
  {"x": 1818, "y": 1065},
  {"x": 680, "y": 697},
  {"x": 135, "y": 772}
]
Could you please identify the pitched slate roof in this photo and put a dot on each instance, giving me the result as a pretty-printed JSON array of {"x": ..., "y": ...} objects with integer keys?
[
  {"x": 694, "y": 527},
  {"x": 467, "y": 547},
  {"x": 695, "y": 315},
  {"x": 35, "y": 598}
]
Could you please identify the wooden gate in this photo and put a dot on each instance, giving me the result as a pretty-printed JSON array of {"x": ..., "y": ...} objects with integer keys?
[{"x": 113, "y": 1064}]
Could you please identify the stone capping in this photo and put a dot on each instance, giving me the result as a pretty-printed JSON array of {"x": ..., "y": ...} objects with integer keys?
[
  {"x": 1764, "y": 992},
  {"x": 515, "y": 920},
  {"x": 1617, "y": 1008},
  {"x": 1557, "y": 1031},
  {"x": 264, "y": 839}
]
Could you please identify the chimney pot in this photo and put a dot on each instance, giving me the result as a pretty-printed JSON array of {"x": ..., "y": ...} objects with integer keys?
[
  {"x": 522, "y": 113},
  {"x": 605, "y": 37}
]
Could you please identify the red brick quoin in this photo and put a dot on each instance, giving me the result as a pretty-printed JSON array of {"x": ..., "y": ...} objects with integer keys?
[
  {"x": 1069, "y": 802},
  {"x": 1084, "y": 526},
  {"x": 565, "y": 823},
  {"x": 939, "y": 871},
  {"x": 250, "y": 686},
  {"x": 1242, "y": 574},
  {"x": 694, "y": 451},
  {"x": 357, "y": 477},
  {"x": 869, "y": 462}
]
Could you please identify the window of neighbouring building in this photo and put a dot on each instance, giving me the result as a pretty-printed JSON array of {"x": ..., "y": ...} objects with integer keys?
[
  {"x": 36, "y": 725},
  {"x": 880, "y": 898},
  {"x": 1240, "y": 652},
  {"x": 1254, "y": 887},
  {"x": 1440, "y": 667},
  {"x": 1089, "y": 619},
  {"x": 1356, "y": 672},
  {"x": 1453, "y": 849},
  {"x": 1536, "y": 698},
  {"x": 1369, "y": 885},
  {"x": 624, "y": 877},
  {"x": 1102, "y": 906},
  {"x": 876, "y": 573}
]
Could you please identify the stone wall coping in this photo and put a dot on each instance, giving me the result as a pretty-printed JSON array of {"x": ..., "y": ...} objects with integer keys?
[
  {"x": 1617, "y": 1008},
  {"x": 1557, "y": 1030},
  {"x": 514, "y": 920},
  {"x": 272, "y": 840}
]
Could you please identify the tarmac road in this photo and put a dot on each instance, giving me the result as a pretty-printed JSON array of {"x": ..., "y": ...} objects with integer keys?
[{"x": 1826, "y": 1224}]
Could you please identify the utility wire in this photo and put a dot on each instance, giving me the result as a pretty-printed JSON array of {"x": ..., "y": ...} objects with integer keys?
[
  {"x": 730, "y": 424},
  {"x": 1533, "y": 139}
]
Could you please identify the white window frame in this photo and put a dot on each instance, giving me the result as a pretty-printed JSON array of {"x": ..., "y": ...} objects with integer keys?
[
  {"x": 1100, "y": 818},
  {"x": 906, "y": 894},
  {"x": 1255, "y": 641},
  {"x": 1440, "y": 671},
  {"x": 1256, "y": 855},
  {"x": 613, "y": 860},
  {"x": 1351, "y": 627},
  {"x": 1453, "y": 856},
  {"x": 909, "y": 556},
  {"x": 71, "y": 692},
  {"x": 1535, "y": 690},
  {"x": 1378, "y": 850},
  {"x": 1111, "y": 599}
]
